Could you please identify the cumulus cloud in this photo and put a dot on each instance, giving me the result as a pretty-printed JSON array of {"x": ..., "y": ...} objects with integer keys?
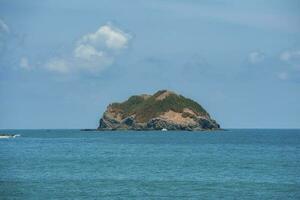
[
  {"x": 58, "y": 65},
  {"x": 290, "y": 61},
  {"x": 24, "y": 64},
  {"x": 288, "y": 55},
  {"x": 11, "y": 45},
  {"x": 4, "y": 34},
  {"x": 284, "y": 66},
  {"x": 111, "y": 37},
  {"x": 4, "y": 27},
  {"x": 93, "y": 52},
  {"x": 283, "y": 76},
  {"x": 256, "y": 57},
  {"x": 87, "y": 52}
]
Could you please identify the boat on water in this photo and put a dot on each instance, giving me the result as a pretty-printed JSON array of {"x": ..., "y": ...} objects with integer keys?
[
  {"x": 6, "y": 136},
  {"x": 164, "y": 129}
]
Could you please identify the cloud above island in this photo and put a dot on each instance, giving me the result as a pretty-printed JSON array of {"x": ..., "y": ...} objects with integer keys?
[
  {"x": 290, "y": 60},
  {"x": 24, "y": 64},
  {"x": 256, "y": 57},
  {"x": 4, "y": 27},
  {"x": 4, "y": 35},
  {"x": 93, "y": 52},
  {"x": 282, "y": 66},
  {"x": 287, "y": 55}
]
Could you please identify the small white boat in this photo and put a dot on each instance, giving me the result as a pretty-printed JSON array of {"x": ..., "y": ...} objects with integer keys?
[
  {"x": 6, "y": 136},
  {"x": 164, "y": 129}
]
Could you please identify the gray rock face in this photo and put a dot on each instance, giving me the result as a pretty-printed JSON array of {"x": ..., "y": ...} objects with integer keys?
[
  {"x": 159, "y": 124},
  {"x": 109, "y": 123},
  {"x": 203, "y": 124}
]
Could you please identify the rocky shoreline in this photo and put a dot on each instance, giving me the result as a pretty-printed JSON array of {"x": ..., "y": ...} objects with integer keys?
[{"x": 110, "y": 124}]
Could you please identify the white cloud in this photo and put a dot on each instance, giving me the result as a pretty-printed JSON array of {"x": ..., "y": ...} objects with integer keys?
[
  {"x": 4, "y": 27},
  {"x": 111, "y": 37},
  {"x": 4, "y": 37},
  {"x": 87, "y": 52},
  {"x": 290, "y": 60},
  {"x": 93, "y": 52},
  {"x": 58, "y": 65},
  {"x": 24, "y": 64},
  {"x": 284, "y": 66},
  {"x": 289, "y": 55},
  {"x": 283, "y": 76},
  {"x": 256, "y": 57},
  {"x": 285, "y": 56}
]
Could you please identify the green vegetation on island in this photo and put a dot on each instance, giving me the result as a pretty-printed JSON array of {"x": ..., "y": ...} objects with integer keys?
[{"x": 164, "y": 110}]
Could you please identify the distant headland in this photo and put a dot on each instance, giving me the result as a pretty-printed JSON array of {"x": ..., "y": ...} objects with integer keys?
[{"x": 164, "y": 110}]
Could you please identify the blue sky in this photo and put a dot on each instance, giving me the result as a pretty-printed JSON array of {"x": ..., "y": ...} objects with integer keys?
[{"x": 63, "y": 62}]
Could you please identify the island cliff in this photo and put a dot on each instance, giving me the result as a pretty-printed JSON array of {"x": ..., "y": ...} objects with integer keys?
[{"x": 162, "y": 110}]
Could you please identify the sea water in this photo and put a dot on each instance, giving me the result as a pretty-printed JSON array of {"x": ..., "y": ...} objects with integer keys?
[{"x": 73, "y": 164}]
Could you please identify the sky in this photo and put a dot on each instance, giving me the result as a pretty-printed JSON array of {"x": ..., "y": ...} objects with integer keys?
[{"x": 63, "y": 62}]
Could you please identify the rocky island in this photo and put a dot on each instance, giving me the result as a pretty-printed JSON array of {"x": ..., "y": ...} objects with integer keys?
[{"x": 164, "y": 110}]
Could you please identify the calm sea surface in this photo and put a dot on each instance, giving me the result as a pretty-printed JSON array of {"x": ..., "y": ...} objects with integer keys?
[{"x": 70, "y": 164}]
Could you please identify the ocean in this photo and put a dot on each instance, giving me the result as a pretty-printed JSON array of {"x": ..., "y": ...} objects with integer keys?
[{"x": 73, "y": 164}]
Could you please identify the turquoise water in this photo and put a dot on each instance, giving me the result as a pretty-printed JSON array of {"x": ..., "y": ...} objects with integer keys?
[{"x": 69, "y": 164}]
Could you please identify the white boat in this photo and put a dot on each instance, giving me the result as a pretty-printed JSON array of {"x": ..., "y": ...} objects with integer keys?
[
  {"x": 6, "y": 136},
  {"x": 164, "y": 129}
]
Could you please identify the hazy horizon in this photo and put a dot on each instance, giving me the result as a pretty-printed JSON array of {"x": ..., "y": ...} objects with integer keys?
[{"x": 62, "y": 63}]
